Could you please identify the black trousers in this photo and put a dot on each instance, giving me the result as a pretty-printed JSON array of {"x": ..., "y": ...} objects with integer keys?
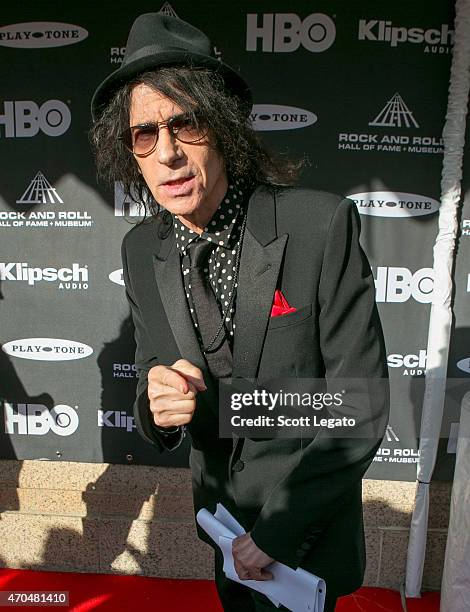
[{"x": 238, "y": 598}]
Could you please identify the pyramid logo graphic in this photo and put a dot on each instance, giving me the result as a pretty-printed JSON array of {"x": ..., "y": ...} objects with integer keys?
[
  {"x": 391, "y": 435},
  {"x": 40, "y": 191},
  {"x": 167, "y": 9},
  {"x": 395, "y": 114}
]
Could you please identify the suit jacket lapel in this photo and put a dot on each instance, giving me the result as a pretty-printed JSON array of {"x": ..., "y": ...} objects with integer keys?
[
  {"x": 260, "y": 261},
  {"x": 167, "y": 269}
]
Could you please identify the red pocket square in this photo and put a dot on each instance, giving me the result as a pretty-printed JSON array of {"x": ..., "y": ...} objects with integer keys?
[{"x": 280, "y": 305}]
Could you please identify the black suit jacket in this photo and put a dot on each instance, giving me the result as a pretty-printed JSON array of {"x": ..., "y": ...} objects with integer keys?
[{"x": 301, "y": 498}]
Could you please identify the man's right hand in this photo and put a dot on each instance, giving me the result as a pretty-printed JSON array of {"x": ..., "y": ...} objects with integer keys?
[{"x": 172, "y": 392}]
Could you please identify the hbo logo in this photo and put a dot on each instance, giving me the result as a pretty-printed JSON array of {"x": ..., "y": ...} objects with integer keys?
[
  {"x": 24, "y": 118},
  {"x": 38, "y": 420},
  {"x": 285, "y": 32},
  {"x": 400, "y": 284}
]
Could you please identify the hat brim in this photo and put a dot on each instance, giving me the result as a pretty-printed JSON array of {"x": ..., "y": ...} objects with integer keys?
[{"x": 124, "y": 74}]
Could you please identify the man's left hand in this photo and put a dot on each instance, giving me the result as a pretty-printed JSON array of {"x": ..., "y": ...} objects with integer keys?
[{"x": 249, "y": 560}]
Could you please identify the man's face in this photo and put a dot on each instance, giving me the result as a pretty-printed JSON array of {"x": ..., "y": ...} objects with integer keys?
[{"x": 202, "y": 167}]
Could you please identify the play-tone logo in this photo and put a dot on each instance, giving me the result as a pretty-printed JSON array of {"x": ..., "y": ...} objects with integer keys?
[
  {"x": 267, "y": 117},
  {"x": 464, "y": 365},
  {"x": 117, "y": 277},
  {"x": 394, "y": 204},
  {"x": 400, "y": 284},
  {"x": 47, "y": 349},
  {"x": 25, "y": 119},
  {"x": 41, "y": 34},
  {"x": 38, "y": 420},
  {"x": 286, "y": 32}
]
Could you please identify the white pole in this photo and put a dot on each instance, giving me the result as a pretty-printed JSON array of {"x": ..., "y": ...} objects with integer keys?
[{"x": 441, "y": 312}]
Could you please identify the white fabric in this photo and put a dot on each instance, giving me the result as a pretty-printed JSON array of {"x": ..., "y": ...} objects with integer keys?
[
  {"x": 441, "y": 313},
  {"x": 455, "y": 591}
]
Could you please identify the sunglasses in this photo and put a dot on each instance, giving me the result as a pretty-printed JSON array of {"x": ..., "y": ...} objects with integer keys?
[{"x": 142, "y": 139}]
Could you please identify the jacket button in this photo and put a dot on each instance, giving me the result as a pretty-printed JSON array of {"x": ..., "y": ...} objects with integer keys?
[{"x": 238, "y": 466}]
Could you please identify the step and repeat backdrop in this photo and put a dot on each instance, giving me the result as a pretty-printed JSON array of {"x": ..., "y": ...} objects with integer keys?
[{"x": 360, "y": 88}]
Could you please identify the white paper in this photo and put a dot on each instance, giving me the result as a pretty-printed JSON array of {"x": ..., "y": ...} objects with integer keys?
[
  {"x": 228, "y": 520},
  {"x": 297, "y": 590}
]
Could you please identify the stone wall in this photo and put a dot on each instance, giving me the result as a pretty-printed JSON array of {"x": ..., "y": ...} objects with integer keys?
[{"x": 89, "y": 517}]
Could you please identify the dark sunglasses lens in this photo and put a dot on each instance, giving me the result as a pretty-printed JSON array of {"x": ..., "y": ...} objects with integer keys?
[
  {"x": 144, "y": 139},
  {"x": 186, "y": 130},
  {"x": 141, "y": 140}
]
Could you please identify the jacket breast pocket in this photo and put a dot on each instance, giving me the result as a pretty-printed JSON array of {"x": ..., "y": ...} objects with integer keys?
[
  {"x": 290, "y": 344},
  {"x": 290, "y": 319}
]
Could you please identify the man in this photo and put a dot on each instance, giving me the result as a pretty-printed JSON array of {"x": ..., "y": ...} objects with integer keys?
[{"x": 225, "y": 236}]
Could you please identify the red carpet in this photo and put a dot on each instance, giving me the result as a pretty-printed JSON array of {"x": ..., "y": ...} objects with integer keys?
[{"x": 113, "y": 593}]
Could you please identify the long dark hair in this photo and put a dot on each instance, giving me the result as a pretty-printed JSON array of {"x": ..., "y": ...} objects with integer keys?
[{"x": 226, "y": 115}]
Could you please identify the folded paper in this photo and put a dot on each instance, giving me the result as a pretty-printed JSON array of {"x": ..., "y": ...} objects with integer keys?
[{"x": 297, "y": 590}]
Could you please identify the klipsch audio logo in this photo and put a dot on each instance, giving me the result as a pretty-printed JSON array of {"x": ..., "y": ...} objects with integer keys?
[
  {"x": 115, "y": 418},
  {"x": 25, "y": 118},
  {"x": 395, "y": 204},
  {"x": 266, "y": 117},
  {"x": 286, "y": 32},
  {"x": 38, "y": 193},
  {"x": 38, "y": 420},
  {"x": 47, "y": 349},
  {"x": 41, "y": 34},
  {"x": 397, "y": 116},
  {"x": 411, "y": 365},
  {"x": 435, "y": 40},
  {"x": 73, "y": 278},
  {"x": 400, "y": 284}
]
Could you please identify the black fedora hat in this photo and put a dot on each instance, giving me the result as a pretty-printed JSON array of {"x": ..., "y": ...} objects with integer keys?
[{"x": 157, "y": 40}]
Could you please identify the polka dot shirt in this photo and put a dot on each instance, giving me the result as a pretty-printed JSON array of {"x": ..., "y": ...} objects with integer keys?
[{"x": 223, "y": 230}]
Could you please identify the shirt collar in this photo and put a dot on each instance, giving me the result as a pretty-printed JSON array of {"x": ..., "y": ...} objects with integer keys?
[{"x": 220, "y": 227}]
